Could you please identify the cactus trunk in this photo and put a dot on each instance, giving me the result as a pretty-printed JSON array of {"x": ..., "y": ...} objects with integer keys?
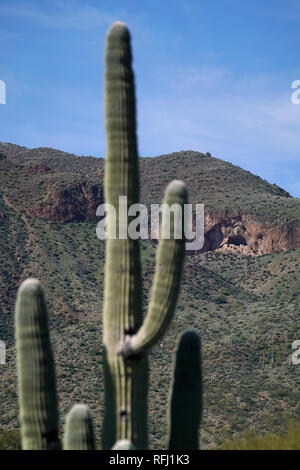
[
  {"x": 126, "y": 337},
  {"x": 125, "y": 390}
]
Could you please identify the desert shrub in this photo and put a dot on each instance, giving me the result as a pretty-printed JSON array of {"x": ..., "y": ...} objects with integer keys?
[
  {"x": 290, "y": 440},
  {"x": 10, "y": 440},
  {"x": 221, "y": 299}
]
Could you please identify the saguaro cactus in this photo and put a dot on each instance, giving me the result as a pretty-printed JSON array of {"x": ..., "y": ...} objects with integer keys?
[
  {"x": 79, "y": 430},
  {"x": 126, "y": 336},
  {"x": 185, "y": 408},
  {"x": 36, "y": 375}
]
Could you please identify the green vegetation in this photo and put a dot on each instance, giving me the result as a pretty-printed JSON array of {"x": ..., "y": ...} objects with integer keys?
[
  {"x": 10, "y": 440},
  {"x": 246, "y": 341},
  {"x": 289, "y": 440}
]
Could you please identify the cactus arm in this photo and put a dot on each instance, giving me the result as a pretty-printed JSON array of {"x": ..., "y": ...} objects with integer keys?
[
  {"x": 79, "y": 431},
  {"x": 35, "y": 368},
  {"x": 185, "y": 405},
  {"x": 166, "y": 284}
]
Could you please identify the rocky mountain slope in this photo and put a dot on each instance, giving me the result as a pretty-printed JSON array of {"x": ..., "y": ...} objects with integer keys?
[
  {"x": 241, "y": 209},
  {"x": 241, "y": 292}
]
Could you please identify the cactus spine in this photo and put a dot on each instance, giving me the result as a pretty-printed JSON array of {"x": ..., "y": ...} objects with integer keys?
[
  {"x": 185, "y": 408},
  {"x": 126, "y": 337},
  {"x": 35, "y": 365},
  {"x": 79, "y": 431}
]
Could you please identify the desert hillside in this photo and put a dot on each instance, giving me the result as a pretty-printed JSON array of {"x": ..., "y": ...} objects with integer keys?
[{"x": 241, "y": 292}]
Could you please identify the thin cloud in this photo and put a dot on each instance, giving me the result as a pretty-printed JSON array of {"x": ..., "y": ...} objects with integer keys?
[
  {"x": 225, "y": 109},
  {"x": 251, "y": 122},
  {"x": 72, "y": 15}
]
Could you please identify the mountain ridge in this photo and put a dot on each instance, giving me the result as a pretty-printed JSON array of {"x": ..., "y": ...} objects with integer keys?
[{"x": 242, "y": 211}]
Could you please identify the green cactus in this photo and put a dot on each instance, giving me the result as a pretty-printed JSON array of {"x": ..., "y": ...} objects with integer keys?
[
  {"x": 79, "y": 431},
  {"x": 186, "y": 399},
  {"x": 126, "y": 336},
  {"x": 35, "y": 365}
]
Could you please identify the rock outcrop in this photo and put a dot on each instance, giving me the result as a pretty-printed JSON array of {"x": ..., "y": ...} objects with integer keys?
[
  {"x": 75, "y": 203},
  {"x": 241, "y": 233}
]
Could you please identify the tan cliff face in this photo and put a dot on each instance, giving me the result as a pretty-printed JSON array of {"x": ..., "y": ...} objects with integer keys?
[
  {"x": 239, "y": 233},
  {"x": 75, "y": 203},
  {"x": 242, "y": 234}
]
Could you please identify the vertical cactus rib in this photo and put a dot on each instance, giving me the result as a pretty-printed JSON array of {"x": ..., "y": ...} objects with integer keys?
[
  {"x": 169, "y": 264},
  {"x": 125, "y": 389},
  {"x": 185, "y": 406},
  {"x": 79, "y": 430},
  {"x": 35, "y": 368}
]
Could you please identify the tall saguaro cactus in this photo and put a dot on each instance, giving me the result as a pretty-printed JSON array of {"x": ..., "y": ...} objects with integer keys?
[{"x": 126, "y": 336}]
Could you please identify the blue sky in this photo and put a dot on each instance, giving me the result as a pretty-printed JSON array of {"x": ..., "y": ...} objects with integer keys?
[{"x": 211, "y": 76}]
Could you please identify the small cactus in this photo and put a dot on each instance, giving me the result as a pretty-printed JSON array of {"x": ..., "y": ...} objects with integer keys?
[
  {"x": 79, "y": 431},
  {"x": 185, "y": 408},
  {"x": 35, "y": 365}
]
